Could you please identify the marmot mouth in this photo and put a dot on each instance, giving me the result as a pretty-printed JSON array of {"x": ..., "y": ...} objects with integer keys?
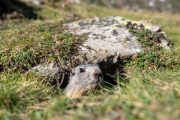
[
  {"x": 99, "y": 81},
  {"x": 95, "y": 83},
  {"x": 76, "y": 92}
]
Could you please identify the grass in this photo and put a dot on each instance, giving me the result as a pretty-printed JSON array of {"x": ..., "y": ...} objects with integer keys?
[
  {"x": 21, "y": 50},
  {"x": 152, "y": 91}
]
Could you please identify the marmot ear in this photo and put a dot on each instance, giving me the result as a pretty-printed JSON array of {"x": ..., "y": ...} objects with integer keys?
[{"x": 72, "y": 73}]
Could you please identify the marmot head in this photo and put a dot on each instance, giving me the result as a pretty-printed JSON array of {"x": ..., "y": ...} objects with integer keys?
[{"x": 82, "y": 79}]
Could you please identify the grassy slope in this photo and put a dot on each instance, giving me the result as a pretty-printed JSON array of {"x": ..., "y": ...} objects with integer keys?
[{"x": 150, "y": 93}]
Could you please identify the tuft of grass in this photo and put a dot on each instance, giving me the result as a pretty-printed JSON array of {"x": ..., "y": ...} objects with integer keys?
[{"x": 16, "y": 91}]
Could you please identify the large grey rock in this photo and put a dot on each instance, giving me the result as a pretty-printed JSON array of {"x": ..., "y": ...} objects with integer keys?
[{"x": 109, "y": 36}]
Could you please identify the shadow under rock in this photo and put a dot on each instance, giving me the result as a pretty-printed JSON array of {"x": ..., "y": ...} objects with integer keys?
[
  {"x": 113, "y": 70},
  {"x": 12, "y": 9}
]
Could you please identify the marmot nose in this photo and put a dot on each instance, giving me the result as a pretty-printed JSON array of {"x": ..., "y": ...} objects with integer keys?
[{"x": 98, "y": 75}]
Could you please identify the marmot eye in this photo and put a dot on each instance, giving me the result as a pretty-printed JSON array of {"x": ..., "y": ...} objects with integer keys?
[{"x": 82, "y": 70}]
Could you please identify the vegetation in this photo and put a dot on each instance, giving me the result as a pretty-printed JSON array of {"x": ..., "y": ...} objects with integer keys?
[
  {"x": 150, "y": 90},
  {"x": 24, "y": 51}
]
